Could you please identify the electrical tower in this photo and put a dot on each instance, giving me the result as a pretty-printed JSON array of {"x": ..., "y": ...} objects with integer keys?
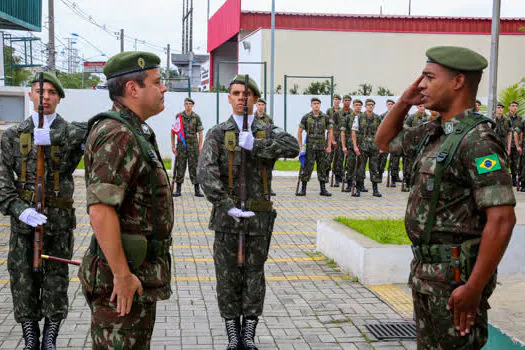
[{"x": 187, "y": 26}]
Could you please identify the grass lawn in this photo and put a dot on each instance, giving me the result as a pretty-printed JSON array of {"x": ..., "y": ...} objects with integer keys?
[
  {"x": 167, "y": 164},
  {"x": 388, "y": 231},
  {"x": 289, "y": 165}
]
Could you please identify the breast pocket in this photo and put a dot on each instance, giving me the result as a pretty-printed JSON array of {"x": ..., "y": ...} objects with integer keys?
[{"x": 427, "y": 175}]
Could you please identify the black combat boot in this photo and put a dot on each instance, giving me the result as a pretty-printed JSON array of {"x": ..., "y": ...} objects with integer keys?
[
  {"x": 357, "y": 192},
  {"x": 31, "y": 334},
  {"x": 363, "y": 188},
  {"x": 233, "y": 329},
  {"x": 348, "y": 186},
  {"x": 177, "y": 191},
  {"x": 338, "y": 180},
  {"x": 198, "y": 192},
  {"x": 248, "y": 332},
  {"x": 404, "y": 187},
  {"x": 522, "y": 187},
  {"x": 324, "y": 192},
  {"x": 376, "y": 190},
  {"x": 272, "y": 193},
  {"x": 393, "y": 181},
  {"x": 514, "y": 180},
  {"x": 49, "y": 338},
  {"x": 302, "y": 192}
]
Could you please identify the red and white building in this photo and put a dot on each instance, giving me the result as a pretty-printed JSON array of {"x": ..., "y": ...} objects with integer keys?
[{"x": 387, "y": 51}]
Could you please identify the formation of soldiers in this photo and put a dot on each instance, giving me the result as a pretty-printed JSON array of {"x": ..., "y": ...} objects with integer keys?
[{"x": 127, "y": 268}]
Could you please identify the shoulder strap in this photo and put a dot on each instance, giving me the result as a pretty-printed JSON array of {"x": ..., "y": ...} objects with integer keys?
[{"x": 444, "y": 157}]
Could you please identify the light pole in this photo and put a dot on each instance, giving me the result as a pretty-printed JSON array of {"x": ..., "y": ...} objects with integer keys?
[{"x": 272, "y": 62}]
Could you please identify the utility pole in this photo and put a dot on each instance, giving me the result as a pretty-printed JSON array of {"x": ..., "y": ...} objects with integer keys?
[
  {"x": 122, "y": 40},
  {"x": 272, "y": 62},
  {"x": 191, "y": 27},
  {"x": 51, "y": 39},
  {"x": 168, "y": 66},
  {"x": 494, "y": 52},
  {"x": 409, "y": 7}
]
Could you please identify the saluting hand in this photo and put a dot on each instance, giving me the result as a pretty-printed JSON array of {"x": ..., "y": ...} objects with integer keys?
[
  {"x": 412, "y": 95},
  {"x": 124, "y": 289},
  {"x": 464, "y": 302}
]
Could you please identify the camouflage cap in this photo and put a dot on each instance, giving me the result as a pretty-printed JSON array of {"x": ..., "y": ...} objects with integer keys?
[
  {"x": 52, "y": 79},
  {"x": 262, "y": 100},
  {"x": 189, "y": 99},
  {"x": 358, "y": 101},
  {"x": 347, "y": 97},
  {"x": 337, "y": 96},
  {"x": 130, "y": 62},
  {"x": 239, "y": 79},
  {"x": 390, "y": 100},
  {"x": 457, "y": 58},
  {"x": 315, "y": 99},
  {"x": 370, "y": 100}
]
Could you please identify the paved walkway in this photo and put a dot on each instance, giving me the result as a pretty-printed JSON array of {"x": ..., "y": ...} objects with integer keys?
[{"x": 310, "y": 303}]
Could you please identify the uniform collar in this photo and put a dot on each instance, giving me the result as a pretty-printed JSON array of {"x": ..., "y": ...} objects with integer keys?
[
  {"x": 48, "y": 119},
  {"x": 239, "y": 119}
]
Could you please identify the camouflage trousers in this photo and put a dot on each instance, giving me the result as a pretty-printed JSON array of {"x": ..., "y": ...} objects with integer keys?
[
  {"x": 368, "y": 155},
  {"x": 351, "y": 162},
  {"x": 393, "y": 166},
  {"x": 435, "y": 325},
  {"x": 39, "y": 295},
  {"x": 189, "y": 156},
  {"x": 312, "y": 157},
  {"x": 408, "y": 162},
  {"x": 111, "y": 331},
  {"x": 383, "y": 157},
  {"x": 514, "y": 160},
  {"x": 335, "y": 160},
  {"x": 240, "y": 291}
]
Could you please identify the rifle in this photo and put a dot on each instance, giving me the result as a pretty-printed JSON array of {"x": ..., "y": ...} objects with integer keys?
[
  {"x": 344, "y": 167},
  {"x": 174, "y": 172},
  {"x": 301, "y": 170},
  {"x": 388, "y": 174},
  {"x": 455, "y": 253},
  {"x": 243, "y": 192},
  {"x": 38, "y": 242},
  {"x": 65, "y": 261},
  {"x": 354, "y": 177}
]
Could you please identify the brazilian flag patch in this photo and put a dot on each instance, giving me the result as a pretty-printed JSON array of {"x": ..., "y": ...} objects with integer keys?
[{"x": 488, "y": 164}]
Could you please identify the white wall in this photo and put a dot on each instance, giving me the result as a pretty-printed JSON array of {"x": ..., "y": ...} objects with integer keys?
[
  {"x": 2, "y": 74},
  {"x": 252, "y": 54}
]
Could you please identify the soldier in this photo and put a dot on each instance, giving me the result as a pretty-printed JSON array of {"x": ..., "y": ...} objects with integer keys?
[
  {"x": 393, "y": 167},
  {"x": 460, "y": 212},
  {"x": 514, "y": 157},
  {"x": 45, "y": 294},
  {"x": 261, "y": 111},
  {"x": 478, "y": 106},
  {"x": 411, "y": 121},
  {"x": 316, "y": 124},
  {"x": 502, "y": 128},
  {"x": 364, "y": 130},
  {"x": 336, "y": 156},
  {"x": 241, "y": 290},
  {"x": 127, "y": 267},
  {"x": 189, "y": 153},
  {"x": 348, "y": 116}
]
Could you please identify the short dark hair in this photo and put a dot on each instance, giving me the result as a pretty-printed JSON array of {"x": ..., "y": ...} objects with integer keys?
[
  {"x": 514, "y": 103},
  {"x": 472, "y": 79},
  {"x": 117, "y": 85},
  {"x": 478, "y": 101}
]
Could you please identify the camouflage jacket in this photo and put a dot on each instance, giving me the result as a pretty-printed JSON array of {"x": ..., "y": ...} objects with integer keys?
[
  {"x": 346, "y": 126},
  {"x": 367, "y": 130},
  {"x": 415, "y": 119},
  {"x": 466, "y": 190},
  {"x": 117, "y": 175},
  {"x": 502, "y": 127},
  {"x": 270, "y": 144},
  {"x": 192, "y": 126},
  {"x": 316, "y": 127},
  {"x": 69, "y": 137},
  {"x": 337, "y": 119},
  {"x": 265, "y": 116}
]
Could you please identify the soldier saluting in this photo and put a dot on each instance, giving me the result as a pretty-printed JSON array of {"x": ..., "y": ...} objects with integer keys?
[
  {"x": 460, "y": 212},
  {"x": 241, "y": 289}
]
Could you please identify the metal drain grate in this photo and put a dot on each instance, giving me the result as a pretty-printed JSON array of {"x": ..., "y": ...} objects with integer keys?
[{"x": 398, "y": 330}]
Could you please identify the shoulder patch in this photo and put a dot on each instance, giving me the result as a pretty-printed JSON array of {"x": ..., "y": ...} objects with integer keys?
[
  {"x": 278, "y": 131},
  {"x": 488, "y": 164}
]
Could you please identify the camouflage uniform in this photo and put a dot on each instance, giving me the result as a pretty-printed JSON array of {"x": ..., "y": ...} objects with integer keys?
[
  {"x": 241, "y": 291},
  {"x": 366, "y": 131},
  {"x": 514, "y": 156},
  {"x": 337, "y": 155},
  {"x": 316, "y": 127},
  {"x": 459, "y": 221},
  {"x": 351, "y": 158},
  {"x": 189, "y": 154},
  {"x": 268, "y": 121},
  {"x": 502, "y": 127},
  {"x": 411, "y": 121},
  {"x": 117, "y": 174},
  {"x": 265, "y": 116},
  {"x": 35, "y": 296}
]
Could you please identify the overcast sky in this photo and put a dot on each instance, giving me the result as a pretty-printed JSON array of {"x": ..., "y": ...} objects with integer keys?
[{"x": 158, "y": 22}]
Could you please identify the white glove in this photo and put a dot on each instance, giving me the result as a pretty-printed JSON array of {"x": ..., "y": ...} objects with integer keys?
[
  {"x": 42, "y": 137},
  {"x": 32, "y": 218},
  {"x": 237, "y": 213},
  {"x": 246, "y": 140}
]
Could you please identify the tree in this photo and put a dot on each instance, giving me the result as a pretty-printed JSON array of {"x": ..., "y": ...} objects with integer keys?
[
  {"x": 278, "y": 89},
  {"x": 74, "y": 81},
  {"x": 516, "y": 93},
  {"x": 294, "y": 90},
  {"x": 222, "y": 88},
  {"x": 382, "y": 91},
  {"x": 319, "y": 88},
  {"x": 364, "y": 89},
  {"x": 14, "y": 76},
  {"x": 173, "y": 73}
]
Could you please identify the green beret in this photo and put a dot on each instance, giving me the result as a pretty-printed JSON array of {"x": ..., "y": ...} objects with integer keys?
[
  {"x": 261, "y": 100},
  {"x": 457, "y": 58},
  {"x": 347, "y": 97},
  {"x": 500, "y": 105},
  {"x": 315, "y": 99},
  {"x": 239, "y": 79},
  {"x": 337, "y": 96},
  {"x": 130, "y": 62},
  {"x": 390, "y": 100},
  {"x": 189, "y": 99},
  {"x": 358, "y": 101},
  {"x": 370, "y": 100},
  {"x": 52, "y": 79},
  {"x": 514, "y": 103}
]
